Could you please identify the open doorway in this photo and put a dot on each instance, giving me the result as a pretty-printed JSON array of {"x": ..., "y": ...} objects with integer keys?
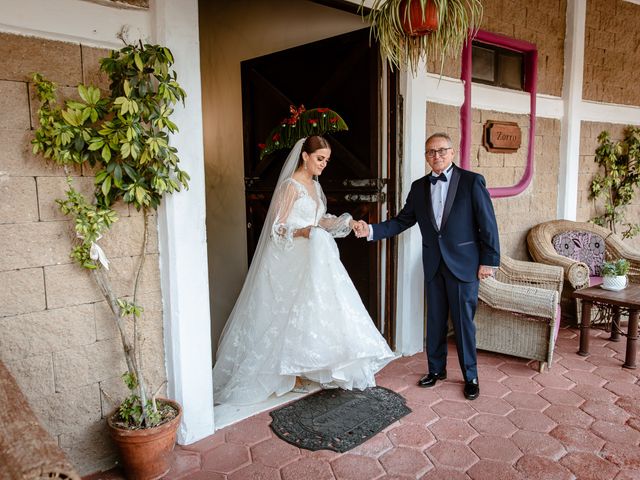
[{"x": 235, "y": 35}]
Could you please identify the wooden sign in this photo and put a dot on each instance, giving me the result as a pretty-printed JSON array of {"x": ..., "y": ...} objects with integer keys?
[{"x": 501, "y": 137}]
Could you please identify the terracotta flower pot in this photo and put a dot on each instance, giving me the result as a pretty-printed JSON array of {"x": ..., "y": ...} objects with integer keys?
[
  {"x": 146, "y": 453},
  {"x": 418, "y": 25}
]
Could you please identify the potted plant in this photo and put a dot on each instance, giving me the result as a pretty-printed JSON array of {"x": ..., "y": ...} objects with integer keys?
[
  {"x": 410, "y": 30},
  {"x": 614, "y": 274},
  {"x": 123, "y": 137},
  {"x": 619, "y": 181}
]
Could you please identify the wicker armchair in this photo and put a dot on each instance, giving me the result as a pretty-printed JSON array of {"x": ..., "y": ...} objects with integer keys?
[
  {"x": 583, "y": 269},
  {"x": 518, "y": 310}
]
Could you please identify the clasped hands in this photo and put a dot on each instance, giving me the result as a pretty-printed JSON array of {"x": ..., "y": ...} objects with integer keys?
[{"x": 360, "y": 228}]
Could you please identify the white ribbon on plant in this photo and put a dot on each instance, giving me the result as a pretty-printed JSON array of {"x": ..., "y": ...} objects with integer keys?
[{"x": 96, "y": 252}]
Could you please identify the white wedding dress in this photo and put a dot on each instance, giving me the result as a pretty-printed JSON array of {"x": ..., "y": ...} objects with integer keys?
[{"x": 302, "y": 315}]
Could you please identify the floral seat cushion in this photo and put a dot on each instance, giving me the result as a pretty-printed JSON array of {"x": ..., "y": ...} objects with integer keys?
[{"x": 584, "y": 247}]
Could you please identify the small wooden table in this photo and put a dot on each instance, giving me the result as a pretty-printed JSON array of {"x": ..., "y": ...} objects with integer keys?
[{"x": 627, "y": 300}]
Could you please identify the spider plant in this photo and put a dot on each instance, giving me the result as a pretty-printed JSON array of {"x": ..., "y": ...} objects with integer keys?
[{"x": 457, "y": 20}]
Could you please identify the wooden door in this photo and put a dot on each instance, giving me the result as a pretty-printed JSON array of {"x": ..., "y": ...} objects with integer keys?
[{"x": 341, "y": 73}]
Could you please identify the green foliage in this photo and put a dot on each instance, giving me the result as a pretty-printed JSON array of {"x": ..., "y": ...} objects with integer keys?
[
  {"x": 621, "y": 176},
  {"x": 129, "y": 308},
  {"x": 302, "y": 123},
  {"x": 457, "y": 19},
  {"x": 615, "y": 267},
  {"x": 130, "y": 410},
  {"x": 125, "y": 136},
  {"x": 91, "y": 222}
]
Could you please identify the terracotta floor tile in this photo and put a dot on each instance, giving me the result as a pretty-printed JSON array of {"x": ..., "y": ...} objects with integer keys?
[
  {"x": 395, "y": 369},
  {"x": 585, "y": 378},
  {"x": 542, "y": 468},
  {"x": 496, "y": 448},
  {"x": 589, "y": 466},
  {"x": 255, "y": 471},
  {"x": 531, "y": 421},
  {"x": 634, "y": 422},
  {"x": 564, "y": 415},
  {"x": 426, "y": 396},
  {"x": 453, "y": 429},
  {"x": 274, "y": 453},
  {"x": 492, "y": 470},
  {"x": 453, "y": 409},
  {"x": 405, "y": 461},
  {"x": 184, "y": 462},
  {"x": 490, "y": 359},
  {"x": 488, "y": 424},
  {"x": 517, "y": 370},
  {"x": 490, "y": 373},
  {"x": 445, "y": 474},
  {"x": 374, "y": 447},
  {"x": 615, "y": 374},
  {"x": 421, "y": 416},
  {"x": 577, "y": 439},
  {"x": 604, "y": 361},
  {"x": 492, "y": 389},
  {"x": 487, "y": 404},
  {"x": 624, "y": 456},
  {"x": 628, "y": 475},
  {"x": 226, "y": 458},
  {"x": 251, "y": 431},
  {"x": 206, "y": 444},
  {"x": 526, "y": 401},
  {"x": 202, "y": 476},
  {"x": 449, "y": 390},
  {"x": 605, "y": 411},
  {"x": 451, "y": 454},
  {"x": 553, "y": 380},
  {"x": 356, "y": 467},
  {"x": 411, "y": 436},
  {"x": 522, "y": 384},
  {"x": 616, "y": 433},
  {"x": 624, "y": 389},
  {"x": 590, "y": 392},
  {"x": 577, "y": 363},
  {"x": 538, "y": 444},
  {"x": 559, "y": 396},
  {"x": 307, "y": 468},
  {"x": 630, "y": 405}
]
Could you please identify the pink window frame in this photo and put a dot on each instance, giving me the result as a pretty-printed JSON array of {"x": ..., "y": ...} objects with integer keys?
[{"x": 530, "y": 85}]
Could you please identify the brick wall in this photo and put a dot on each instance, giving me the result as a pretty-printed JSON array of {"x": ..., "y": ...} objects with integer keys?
[
  {"x": 515, "y": 215},
  {"x": 541, "y": 23},
  {"x": 611, "y": 60},
  {"x": 587, "y": 208},
  {"x": 57, "y": 337}
]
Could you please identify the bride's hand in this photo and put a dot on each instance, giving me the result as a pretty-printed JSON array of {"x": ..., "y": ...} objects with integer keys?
[{"x": 303, "y": 232}]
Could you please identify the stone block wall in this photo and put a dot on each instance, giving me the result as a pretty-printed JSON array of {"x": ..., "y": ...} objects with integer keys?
[
  {"x": 541, "y": 23},
  {"x": 588, "y": 208},
  {"x": 538, "y": 203},
  {"x": 611, "y": 61},
  {"x": 57, "y": 336}
]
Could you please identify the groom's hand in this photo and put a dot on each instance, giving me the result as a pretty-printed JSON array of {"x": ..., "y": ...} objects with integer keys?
[{"x": 361, "y": 228}]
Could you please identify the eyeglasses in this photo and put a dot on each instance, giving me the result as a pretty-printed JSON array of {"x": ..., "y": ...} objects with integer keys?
[{"x": 441, "y": 152}]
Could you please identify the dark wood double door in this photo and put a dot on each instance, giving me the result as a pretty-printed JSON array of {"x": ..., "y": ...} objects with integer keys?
[{"x": 342, "y": 73}]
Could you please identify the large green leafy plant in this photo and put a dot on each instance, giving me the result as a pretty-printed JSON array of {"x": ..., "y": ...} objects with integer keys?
[
  {"x": 617, "y": 183},
  {"x": 124, "y": 137},
  {"x": 456, "y": 21}
]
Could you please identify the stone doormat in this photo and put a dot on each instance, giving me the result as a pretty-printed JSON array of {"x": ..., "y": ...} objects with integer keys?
[{"x": 338, "y": 419}]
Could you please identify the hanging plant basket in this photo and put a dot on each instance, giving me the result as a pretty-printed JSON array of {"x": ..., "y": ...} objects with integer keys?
[
  {"x": 400, "y": 27},
  {"x": 418, "y": 19}
]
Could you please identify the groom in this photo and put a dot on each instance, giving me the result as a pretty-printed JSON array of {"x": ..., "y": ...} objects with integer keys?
[{"x": 460, "y": 246}]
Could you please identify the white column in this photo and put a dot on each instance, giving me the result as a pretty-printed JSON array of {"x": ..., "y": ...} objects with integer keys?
[
  {"x": 572, "y": 97},
  {"x": 410, "y": 310},
  {"x": 183, "y": 248}
]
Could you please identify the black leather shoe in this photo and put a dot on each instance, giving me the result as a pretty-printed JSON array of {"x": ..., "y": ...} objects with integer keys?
[
  {"x": 471, "y": 389},
  {"x": 430, "y": 379}
]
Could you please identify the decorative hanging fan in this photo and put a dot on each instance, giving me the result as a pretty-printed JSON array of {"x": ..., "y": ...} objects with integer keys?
[{"x": 301, "y": 123}]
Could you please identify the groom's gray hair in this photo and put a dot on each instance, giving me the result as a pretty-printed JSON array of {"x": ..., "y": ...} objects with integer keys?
[{"x": 439, "y": 135}]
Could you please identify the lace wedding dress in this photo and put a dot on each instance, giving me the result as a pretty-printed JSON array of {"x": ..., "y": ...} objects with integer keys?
[{"x": 302, "y": 315}]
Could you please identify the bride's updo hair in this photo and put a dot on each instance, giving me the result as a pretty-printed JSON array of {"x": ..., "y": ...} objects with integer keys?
[{"x": 311, "y": 144}]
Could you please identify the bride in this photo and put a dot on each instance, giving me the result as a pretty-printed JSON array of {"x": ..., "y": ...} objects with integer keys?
[{"x": 298, "y": 314}]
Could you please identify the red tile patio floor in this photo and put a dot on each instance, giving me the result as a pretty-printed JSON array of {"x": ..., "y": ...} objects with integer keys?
[{"x": 578, "y": 420}]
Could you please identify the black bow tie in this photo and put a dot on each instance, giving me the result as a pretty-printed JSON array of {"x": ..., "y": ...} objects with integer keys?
[{"x": 434, "y": 180}]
